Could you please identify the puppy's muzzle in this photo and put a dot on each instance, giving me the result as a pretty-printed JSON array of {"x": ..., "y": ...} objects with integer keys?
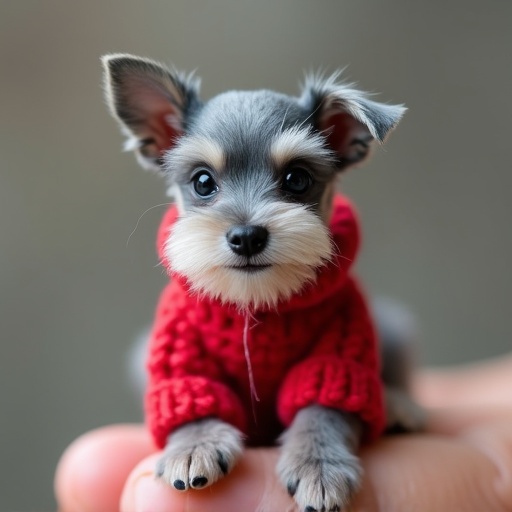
[{"x": 247, "y": 240}]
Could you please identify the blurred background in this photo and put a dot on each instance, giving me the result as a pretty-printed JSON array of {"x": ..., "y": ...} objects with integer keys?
[{"x": 435, "y": 202}]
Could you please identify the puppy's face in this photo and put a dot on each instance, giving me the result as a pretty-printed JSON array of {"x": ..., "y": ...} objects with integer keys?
[
  {"x": 252, "y": 173},
  {"x": 249, "y": 181}
]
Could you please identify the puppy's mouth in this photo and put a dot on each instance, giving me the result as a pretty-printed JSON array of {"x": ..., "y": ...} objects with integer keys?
[{"x": 249, "y": 268}]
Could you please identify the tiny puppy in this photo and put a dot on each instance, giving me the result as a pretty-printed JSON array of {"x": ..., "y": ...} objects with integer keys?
[{"x": 263, "y": 330}]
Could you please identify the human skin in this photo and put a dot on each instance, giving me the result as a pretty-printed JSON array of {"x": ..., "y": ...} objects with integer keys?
[{"x": 462, "y": 463}]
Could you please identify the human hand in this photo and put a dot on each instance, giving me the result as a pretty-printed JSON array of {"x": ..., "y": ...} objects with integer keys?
[{"x": 462, "y": 464}]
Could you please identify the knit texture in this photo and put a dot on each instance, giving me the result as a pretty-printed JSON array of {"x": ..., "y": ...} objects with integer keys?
[{"x": 317, "y": 348}]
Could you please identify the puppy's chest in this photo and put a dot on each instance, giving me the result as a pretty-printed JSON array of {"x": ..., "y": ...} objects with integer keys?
[{"x": 274, "y": 341}]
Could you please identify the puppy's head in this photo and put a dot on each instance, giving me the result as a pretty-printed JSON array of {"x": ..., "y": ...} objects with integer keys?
[{"x": 252, "y": 173}]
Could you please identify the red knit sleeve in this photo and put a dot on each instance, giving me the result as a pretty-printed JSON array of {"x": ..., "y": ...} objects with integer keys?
[
  {"x": 184, "y": 383},
  {"x": 342, "y": 371}
]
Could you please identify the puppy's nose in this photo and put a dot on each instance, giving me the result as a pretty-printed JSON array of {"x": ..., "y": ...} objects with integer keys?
[{"x": 247, "y": 240}]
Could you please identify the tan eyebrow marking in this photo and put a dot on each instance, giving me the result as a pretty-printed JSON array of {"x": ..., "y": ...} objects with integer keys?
[
  {"x": 298, "y": 143},
  {"x": 200, "y": 149}
]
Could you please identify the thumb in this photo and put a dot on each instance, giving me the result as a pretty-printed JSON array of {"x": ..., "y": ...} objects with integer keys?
[{"x": 93, "y": 470}]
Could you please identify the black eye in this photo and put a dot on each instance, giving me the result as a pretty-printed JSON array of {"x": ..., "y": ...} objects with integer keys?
[
  {"x": 297, "y": 181},
  {"x": 204, "y": 185}
]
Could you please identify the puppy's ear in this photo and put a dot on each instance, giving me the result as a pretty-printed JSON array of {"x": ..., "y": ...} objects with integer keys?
[
  {"x": 348, "y": 119},
  {"x": 150, "y": 102}
]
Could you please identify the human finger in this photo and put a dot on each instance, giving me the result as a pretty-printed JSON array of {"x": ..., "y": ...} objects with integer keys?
[
  {"x": 251, "y": 486},
  {"x": 458, "y": 421},
  {"x": 483, "y": 383},
  {"x": 93, "y": 470},
  {"x": 469, "y": 473}
]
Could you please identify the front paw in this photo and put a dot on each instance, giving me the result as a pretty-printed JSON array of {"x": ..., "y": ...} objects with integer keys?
[
  {"x": 317, "y": 464},
  {"x": 199, "y": 453},
  {"x": 322, "y": 483}
]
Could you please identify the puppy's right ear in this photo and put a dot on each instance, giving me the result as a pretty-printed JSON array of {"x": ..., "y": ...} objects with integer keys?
[
  {"x": 349, "y": 120},
  {"x": 151, "y": 104}
]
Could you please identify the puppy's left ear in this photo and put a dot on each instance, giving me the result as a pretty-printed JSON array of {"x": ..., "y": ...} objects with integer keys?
[
  {"x": 347, "y": 118},
  {"x": 151, "y": 103}
]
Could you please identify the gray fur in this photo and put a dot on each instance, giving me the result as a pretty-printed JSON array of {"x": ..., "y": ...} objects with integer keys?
[
  {"x": 318, "y": 464},
  {"x": 245, "y": 124},
  {"x": 199, "y": 453},
  {"x": 398, "y": 336}
]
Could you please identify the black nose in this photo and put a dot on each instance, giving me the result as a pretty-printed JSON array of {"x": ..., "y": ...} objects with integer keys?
[{"x": 247, "y": 240}]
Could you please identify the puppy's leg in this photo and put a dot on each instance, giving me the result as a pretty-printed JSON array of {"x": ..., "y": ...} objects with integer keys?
[
  {"x": 317, "y": 463},
  {"x": 200, "y": 453},
  {"x": 398, "y": 337},
  {"x": 402, "y": 413}
]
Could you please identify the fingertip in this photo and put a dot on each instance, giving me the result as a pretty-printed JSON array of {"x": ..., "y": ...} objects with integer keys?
[
  {"x": 143, "y": 491},
  {"x": 92, "y": 471},
  {"x": 252, "y": 485},
  {"x": 473, "y": 384},
  {"x": 433, "y": 472}
]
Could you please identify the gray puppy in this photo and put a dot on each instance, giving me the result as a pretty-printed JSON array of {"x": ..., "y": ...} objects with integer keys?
[{"x": 242, "y": 168}]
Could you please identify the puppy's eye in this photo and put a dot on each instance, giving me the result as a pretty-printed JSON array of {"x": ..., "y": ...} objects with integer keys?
[
  {"x": 204, "y": 184},
  {"x": 297, "y": 181}
]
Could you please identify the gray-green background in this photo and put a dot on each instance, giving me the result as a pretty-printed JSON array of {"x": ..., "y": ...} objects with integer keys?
[{"x": 435, "y": 203}]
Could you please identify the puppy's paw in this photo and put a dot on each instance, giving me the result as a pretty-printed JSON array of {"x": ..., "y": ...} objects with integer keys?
[
  {"x": 199, "y": 453},
  {"x": 325, "y": 483}
]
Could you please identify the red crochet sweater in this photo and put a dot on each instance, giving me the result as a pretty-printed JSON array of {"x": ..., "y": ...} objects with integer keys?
[{"x": 317, "y": 348}]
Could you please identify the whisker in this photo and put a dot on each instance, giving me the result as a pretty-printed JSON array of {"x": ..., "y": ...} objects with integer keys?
[
  {"x": 310, "y": 115},
  {"x": 138, "y": 221},
  {"x": 284, "y": 118},
  {"x": 337, "y": 252}
]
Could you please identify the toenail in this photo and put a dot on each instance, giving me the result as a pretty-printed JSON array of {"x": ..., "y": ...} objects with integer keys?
[
  {"x": 199, "y": 481},
  {"x": 179, "y": 484},
  {"x": 292, "y": 487}
]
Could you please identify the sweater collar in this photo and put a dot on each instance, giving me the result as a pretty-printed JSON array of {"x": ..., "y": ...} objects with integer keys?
[{"x": 344, "y": 229}]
